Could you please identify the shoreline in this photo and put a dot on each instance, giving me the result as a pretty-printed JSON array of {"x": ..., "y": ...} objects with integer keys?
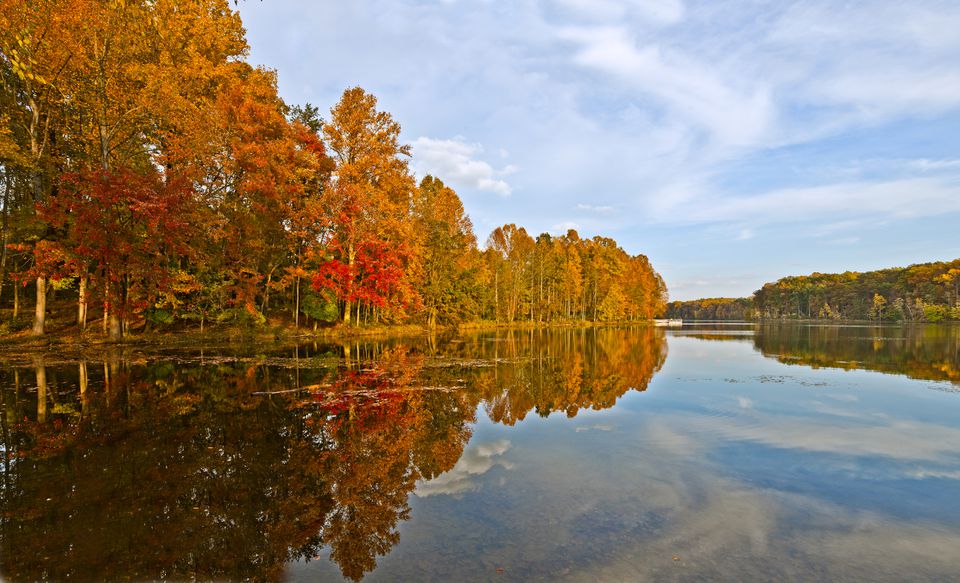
[{"x": 72, "y": 340}]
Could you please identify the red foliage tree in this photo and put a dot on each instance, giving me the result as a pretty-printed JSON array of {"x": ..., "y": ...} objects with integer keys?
[{"x": 127, "y": 228}]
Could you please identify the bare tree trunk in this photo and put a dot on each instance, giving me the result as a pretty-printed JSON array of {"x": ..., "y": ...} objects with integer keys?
[
  {"x": 3, "y": 243},
  {"x": 266, "y": 293},
  {"x": 115, "y": 328},
  {"x": 82, "y": 303},
  {"x": 496, "y": 295},
  {"x": 37, "y": 187},
  {"x": 40, "y": 316},
  {"x": 16, "y": 300},
  {"x": 346, "y": 303},
  {"x": 296, "y": 311}
]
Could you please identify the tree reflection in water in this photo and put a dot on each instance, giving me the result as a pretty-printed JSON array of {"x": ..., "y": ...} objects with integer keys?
[
  {"x": 120, "y": 469},
  {"x": 926, "y": 352}
]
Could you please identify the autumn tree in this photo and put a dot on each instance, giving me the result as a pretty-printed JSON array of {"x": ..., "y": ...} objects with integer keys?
[
  {"x": 37, "y": 41},
  {"x": 146, "y": 165},
  {"x": 369, "y": 203},
  {"x": 448, "y": 257}
]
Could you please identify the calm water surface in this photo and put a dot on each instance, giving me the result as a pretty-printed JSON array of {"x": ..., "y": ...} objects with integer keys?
[{"x": 733, "y": 452}]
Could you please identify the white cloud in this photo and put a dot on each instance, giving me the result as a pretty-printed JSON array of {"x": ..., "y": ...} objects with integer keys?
[
  {"x": 902, "y": 440},
  {"x": 654, "y": 11},
  {"x": 690, "y": 89},
  {"x": 455, "y": 161},
  {"x": 476, "y": 460},
  {"x": 925, "y": 165},
  {"x": 562, "y": 228},
  {"x": 905, "y": 198},
  {"x": 874, "y": 61}
]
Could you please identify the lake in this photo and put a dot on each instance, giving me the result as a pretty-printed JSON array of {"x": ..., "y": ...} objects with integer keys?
[{"x": 713, "y": 451}]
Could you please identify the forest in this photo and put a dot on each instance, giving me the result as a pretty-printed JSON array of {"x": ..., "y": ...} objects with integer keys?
[
  {"x": 712, "y": 309},
  {"x": 152, "y": 178},
  {"x": 925, "y": 292}
]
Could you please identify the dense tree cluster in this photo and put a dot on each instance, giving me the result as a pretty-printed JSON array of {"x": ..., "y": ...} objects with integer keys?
[
  {"x": 147, "y": 169},
  {"x": 566, "y": 278},
  {"x": 712, "y": 309},
  {"x": 926, "y": 292}
]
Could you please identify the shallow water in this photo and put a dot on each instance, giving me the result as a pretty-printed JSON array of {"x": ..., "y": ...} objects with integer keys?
[{"x": 734, "y": 452}]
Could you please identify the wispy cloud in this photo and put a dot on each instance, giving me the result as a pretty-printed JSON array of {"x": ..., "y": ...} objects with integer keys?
[
  {"x": 687, "y": 87},
  {"x": 925, "y": 165},
  {"x": 906, "y": 198},
  {"x": 660, "y": 12},
  {"x": 457, "y": 161},
  {"x": 561, "y": 228}
]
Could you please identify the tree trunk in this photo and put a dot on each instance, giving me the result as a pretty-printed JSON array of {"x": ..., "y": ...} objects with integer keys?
[
  {"x": 296, "y": 315},
  {"x": 82, "y": 303},
  {"x": 346, "y": 303},
  {"x": 6, "y": 213},
  {"x": 346, "y": 311},
  {"x": 115, "y": 329},
  {"x": 496, "y": 295},
  {"x": 39, "y": 320}
]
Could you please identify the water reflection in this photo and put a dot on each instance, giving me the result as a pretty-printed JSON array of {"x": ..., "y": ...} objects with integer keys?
[
  {"x": 928, "y": 352},
  {"x": 518, "y": 455},
  {"x": 563, "y": 371},
  {"x": 231, "y": 466}
]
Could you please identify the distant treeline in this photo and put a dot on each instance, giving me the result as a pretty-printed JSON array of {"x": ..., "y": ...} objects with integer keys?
[
  {"x": 712, "y": 309},
  {"x": 926, "y": 292}
]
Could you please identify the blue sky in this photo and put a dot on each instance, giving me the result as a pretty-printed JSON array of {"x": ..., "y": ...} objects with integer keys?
[{"x": 732, "y": 142}]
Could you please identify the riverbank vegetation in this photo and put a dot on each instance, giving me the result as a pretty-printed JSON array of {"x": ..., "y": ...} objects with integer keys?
[
  {"x": 712, "y": 309},
  {"x": 925, "y": 292},
  {"x": 154, "y": 178}
]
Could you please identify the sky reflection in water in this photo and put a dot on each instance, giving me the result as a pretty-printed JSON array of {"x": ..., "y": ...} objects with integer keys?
[{"x": 753, "y": 453}]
